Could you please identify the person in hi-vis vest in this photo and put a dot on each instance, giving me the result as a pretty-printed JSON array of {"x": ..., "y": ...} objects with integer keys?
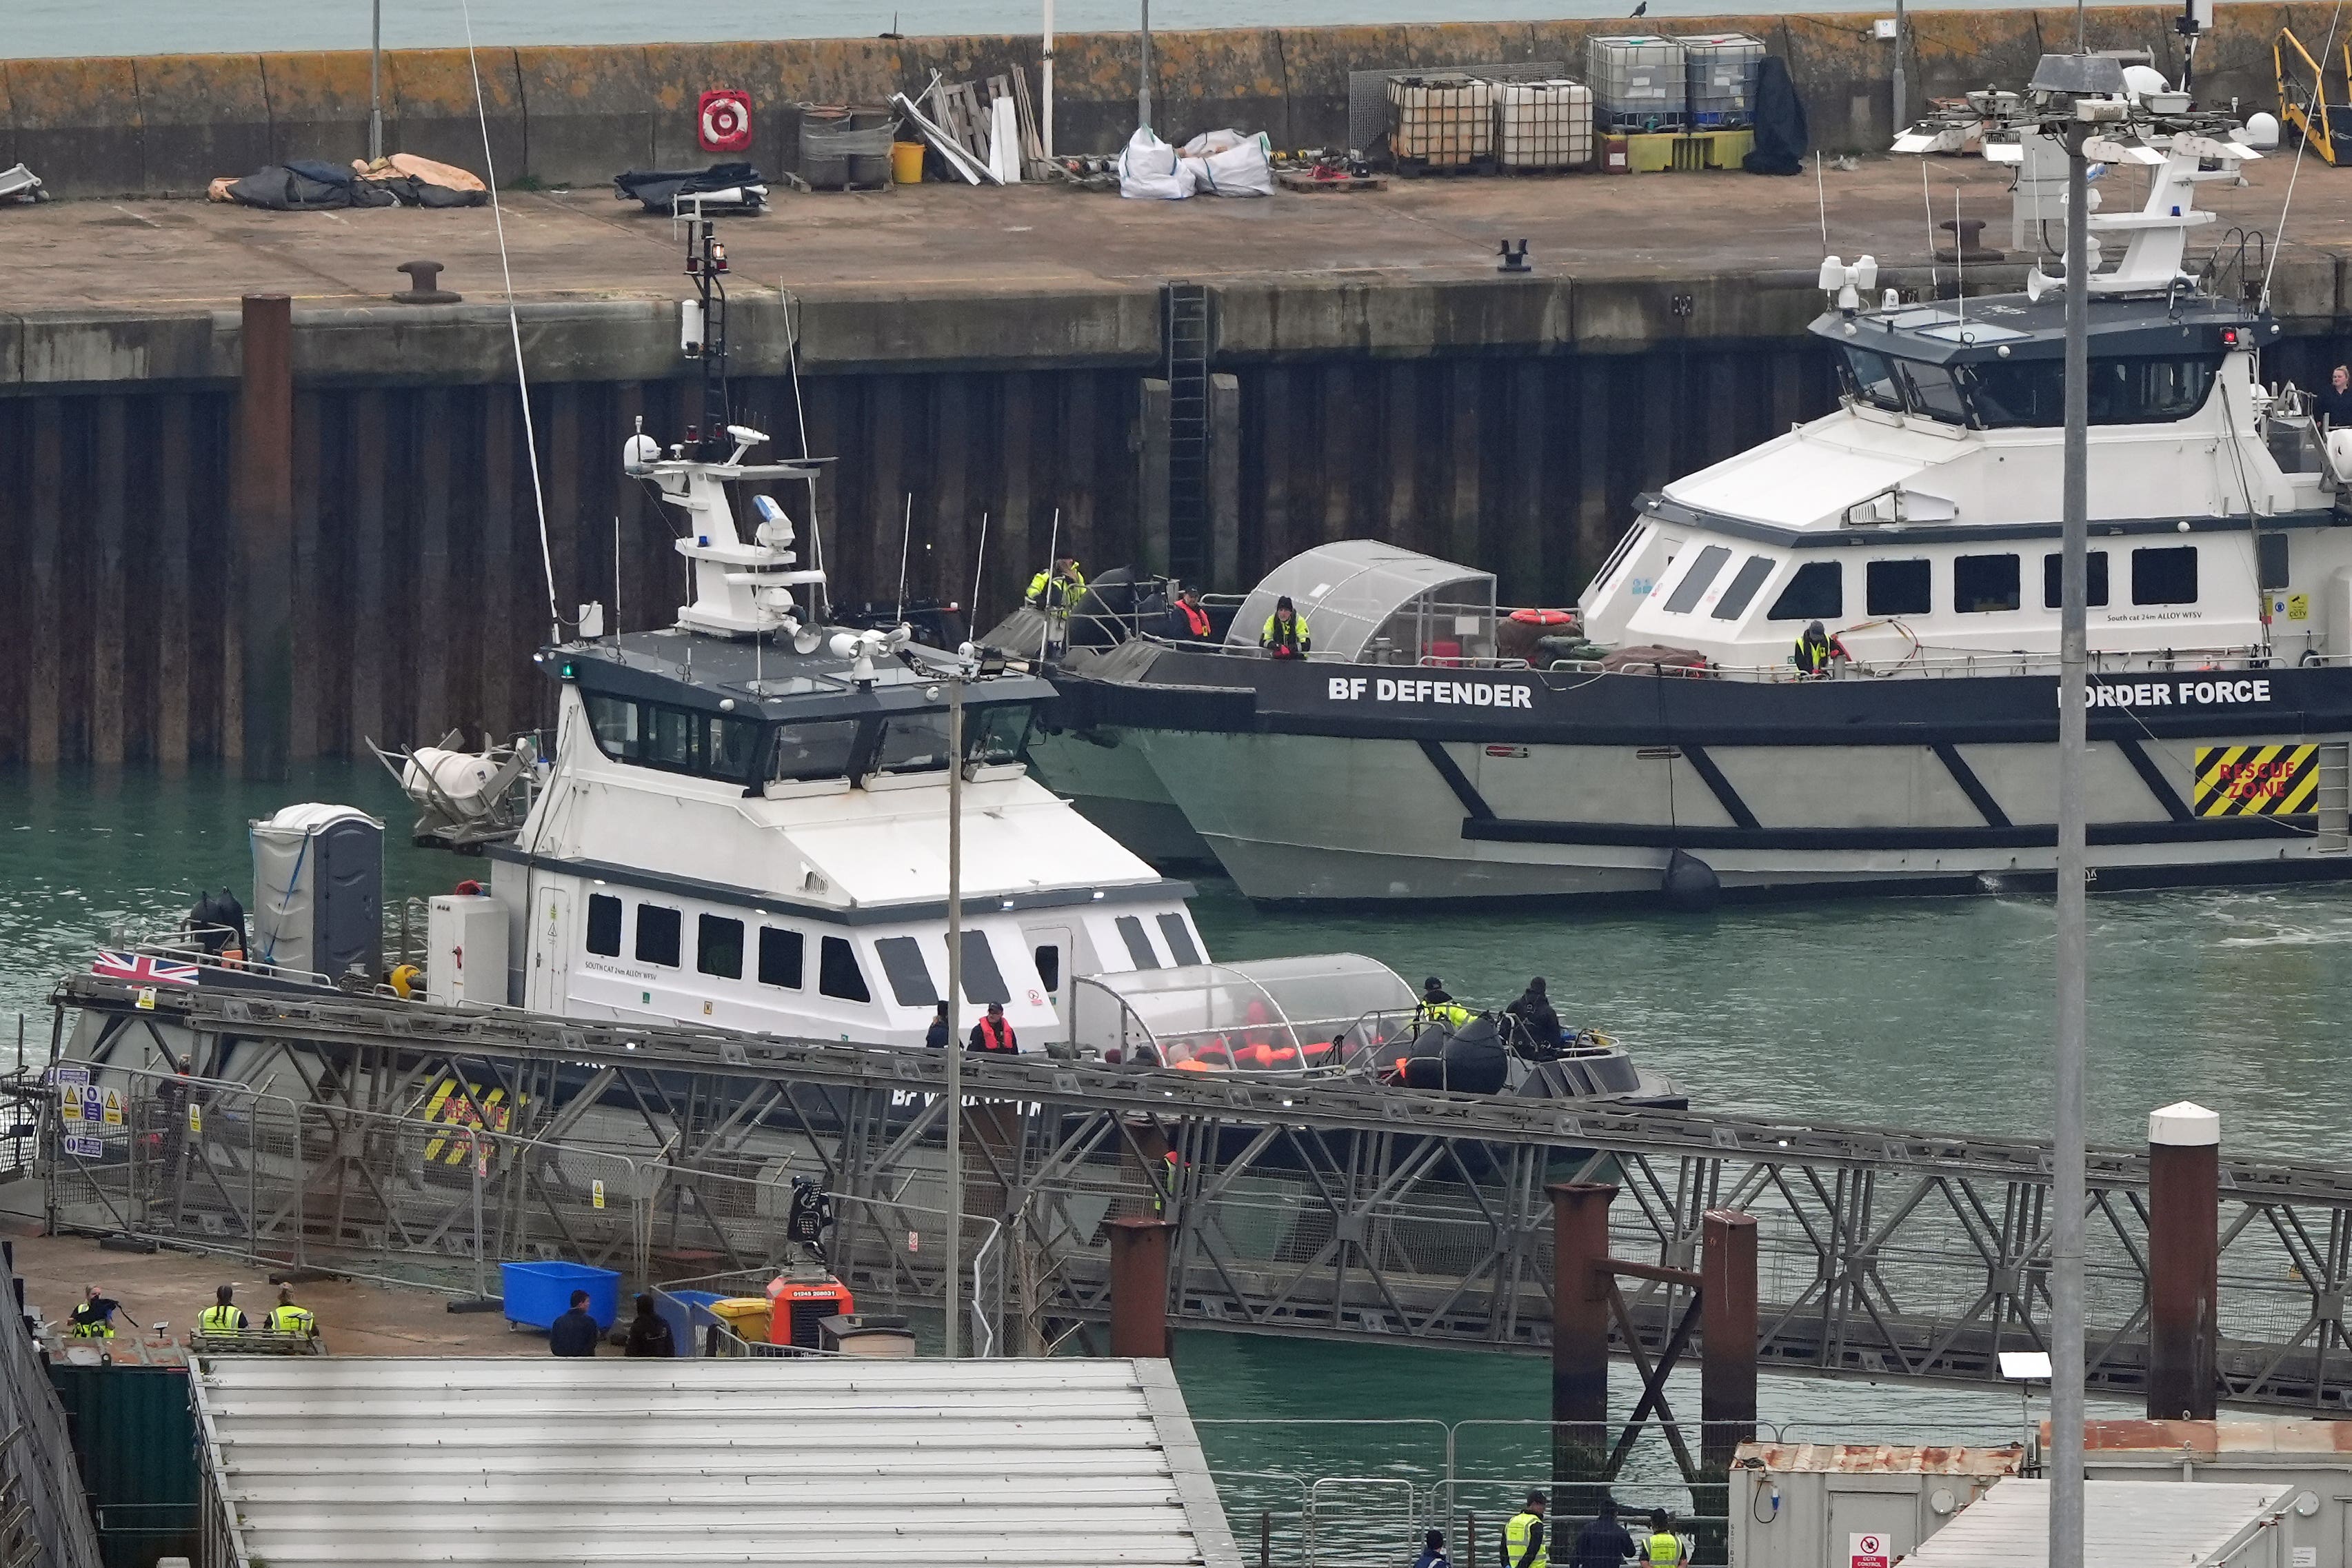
[
  {"x": 1664, "y": 1549},
  {"x": 222, "y": 1317},
  {"x": 1522, "y": 1536}
]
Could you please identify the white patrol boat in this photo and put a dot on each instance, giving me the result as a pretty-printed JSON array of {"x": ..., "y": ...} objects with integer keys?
[
  {"x": 1435, "y": 745},
  {"x": 742, "y": 821}
]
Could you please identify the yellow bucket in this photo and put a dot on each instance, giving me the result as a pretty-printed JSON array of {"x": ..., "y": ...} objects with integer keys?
[{"x": 906, "y": 163}]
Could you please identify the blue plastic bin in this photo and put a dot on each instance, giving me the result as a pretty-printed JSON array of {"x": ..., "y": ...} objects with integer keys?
[
  {"x": 539, "y": 1293},
  {"x": 681, "y": 1309}
]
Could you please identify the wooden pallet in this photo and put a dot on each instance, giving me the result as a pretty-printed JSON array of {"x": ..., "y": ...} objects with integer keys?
[
  {"x": 1422, "y": 168},
  {"x": 1300, "y": 180}
]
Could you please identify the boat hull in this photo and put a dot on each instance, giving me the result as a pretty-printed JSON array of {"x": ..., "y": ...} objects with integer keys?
[{"x": 1308, "y": 783}]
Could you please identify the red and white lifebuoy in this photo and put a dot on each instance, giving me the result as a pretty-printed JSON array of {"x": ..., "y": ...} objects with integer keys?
[{"x": 723, "y": 120}]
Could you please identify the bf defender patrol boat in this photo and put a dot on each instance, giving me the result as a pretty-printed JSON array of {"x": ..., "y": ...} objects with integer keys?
[{"x": 1428, "y": 748}]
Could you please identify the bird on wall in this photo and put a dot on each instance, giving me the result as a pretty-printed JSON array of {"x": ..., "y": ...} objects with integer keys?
[{"x": 1641, "y": 10}]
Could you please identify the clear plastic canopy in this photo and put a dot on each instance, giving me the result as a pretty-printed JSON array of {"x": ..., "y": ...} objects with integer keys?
[
  {"x": 1360, "y": 591},
  {"x": 1275, "y": 1014}
]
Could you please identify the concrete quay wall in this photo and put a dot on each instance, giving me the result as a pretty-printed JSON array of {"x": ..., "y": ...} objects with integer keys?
[{"x": 159, "y": 123}]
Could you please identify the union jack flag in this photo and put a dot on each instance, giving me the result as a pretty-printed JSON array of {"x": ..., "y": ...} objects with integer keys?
[{"x": 139, "y": 969}]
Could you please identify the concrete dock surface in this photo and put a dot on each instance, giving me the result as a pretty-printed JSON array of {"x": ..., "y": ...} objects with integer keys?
[
  {"x": 145, "y": 253},
  {"x": 355, "y": 1318}
]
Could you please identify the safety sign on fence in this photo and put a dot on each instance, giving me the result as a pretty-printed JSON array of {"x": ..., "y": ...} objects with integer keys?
[{"x": 2256, "y": 781}]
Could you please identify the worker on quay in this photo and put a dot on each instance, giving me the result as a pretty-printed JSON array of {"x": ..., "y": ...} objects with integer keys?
[
  {"x": 1438, "y": 1006},
  {"x": 1815, "y": 648},
  {"x": 1664, "y": 1548},
  {"x": 1056, "y": 594},
  {"x": 1535, "y": 1015},
  {"x": 222, "y": 1317},
  {"x": 1522, "y": 1536},
  {"x": 93, "y": 1315},
  {"x": 1433, "y": 1552},
  {"x": 575, "y": 1333},
  {"x": 1603, "y": 1543},
  {"x": 1285, "y": 634},
  {"x": 1187, "y": 621},
  {"x": 993, "y": 1034},
  {"x": 287, "y": 1318}
]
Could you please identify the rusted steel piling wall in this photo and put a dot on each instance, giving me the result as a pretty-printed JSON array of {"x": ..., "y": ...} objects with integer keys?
[{"x": 578, "y": 115}]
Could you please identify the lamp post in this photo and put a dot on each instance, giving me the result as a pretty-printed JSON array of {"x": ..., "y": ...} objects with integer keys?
[
  {"x": 375, "y": 86},
  {"x": 955, "y": 1012},
  {"x": 1144, "y": 81},
  {"x": 2076, "y": 93}
]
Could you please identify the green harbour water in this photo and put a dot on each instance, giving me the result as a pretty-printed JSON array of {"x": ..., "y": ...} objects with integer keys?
[{"x": 1916, "y": 1013}]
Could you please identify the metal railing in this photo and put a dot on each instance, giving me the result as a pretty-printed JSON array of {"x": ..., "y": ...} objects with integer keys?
[{"x": 39, "y": 1482}]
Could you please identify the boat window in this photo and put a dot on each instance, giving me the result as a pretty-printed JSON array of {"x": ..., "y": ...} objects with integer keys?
[
  {"x": 673, "y": 739},
  {"x": 1871, "y": 377},
  {"x": 1180, "y": 946},
  {"x": 1619, "y": 556},
  {"x": 1817, "y": 593},
  {"x": 1896, "y": 588},
  {"x": 779, "y": 958},
  {"x": 669, "y": 738},
  {"x": 1934, "y": 394},
  {"x": 1982, "y": 583},
  {"x": 838, "y": 973},
  {"x": 1744, "y": 583},
  {"x": 903, "y": 966},
  {"x": 1139, "y": 945},
  {"x": 1048, "y": 959},
  {"x": 2148, "y": 391},
  {"x": 2010, "y": 394},
  {"x": 729, "y": 747},
  {"x": 913, "y": 743},
  {"x": 658, "y": 929},
  {"x": 982, "y": 981},
  {"x": 812, "y": 751},
  {"x": 615, "y": 722},
  {"x": 997, "y": 734},
  {"x": 2094, "y": 579},
  {"x": 719, "y": 947},
  {"x": 1694, "y": 581},
  {"x": 2165, "y": 576},
  {"x": 605, "y": 925}
]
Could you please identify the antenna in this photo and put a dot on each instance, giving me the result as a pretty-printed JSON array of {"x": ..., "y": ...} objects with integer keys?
[
  {"x": 616, "y": 576},
  {"x": 514, "y": 326},
  {"x": 972, "y": 618},
  {"x": 906, "y": 538},
  {"x": 1053, "y": 550},
  {"x": 1960, "y": 250},
  {"x": 800, "y": 417},
  {"x": 1935, "y": 278}
]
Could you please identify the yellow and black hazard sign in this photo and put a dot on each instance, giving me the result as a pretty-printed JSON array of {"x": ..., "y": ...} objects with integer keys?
[
  {"x": 455, "y": 1108},
  {"x": 2256, "y": 781}
]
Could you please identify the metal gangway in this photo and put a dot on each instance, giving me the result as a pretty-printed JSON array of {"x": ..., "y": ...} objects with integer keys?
[{"x": 365, "y": 1133}]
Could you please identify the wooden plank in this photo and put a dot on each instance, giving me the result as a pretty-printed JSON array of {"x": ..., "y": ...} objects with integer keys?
[{"x": 1033, "y": 146}]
